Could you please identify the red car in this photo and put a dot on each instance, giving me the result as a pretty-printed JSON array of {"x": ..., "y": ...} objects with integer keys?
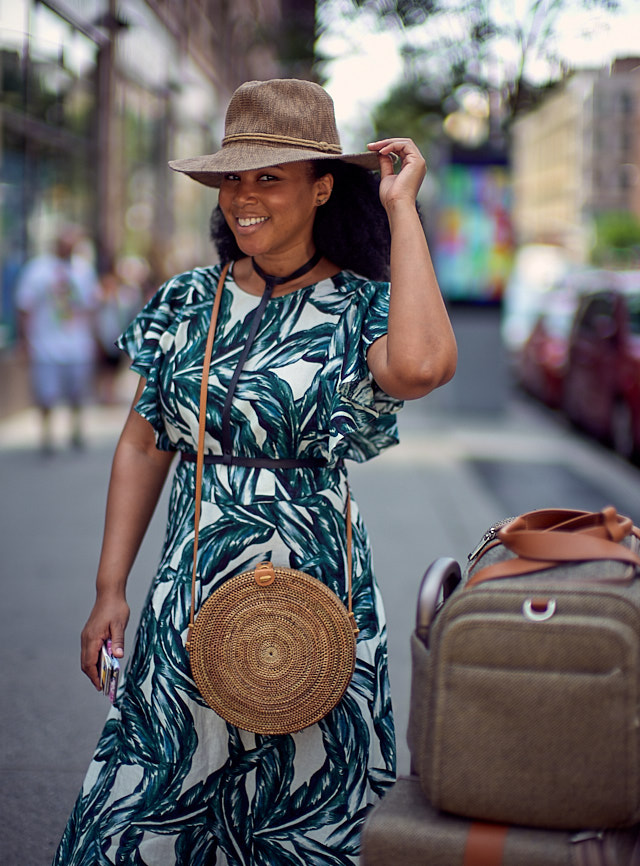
[
  {"x": 541, "y": 362},
  {"x": 602, "y": 378}
]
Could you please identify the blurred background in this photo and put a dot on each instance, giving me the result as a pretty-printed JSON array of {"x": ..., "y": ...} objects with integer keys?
[{"x": 528, "y": 112}]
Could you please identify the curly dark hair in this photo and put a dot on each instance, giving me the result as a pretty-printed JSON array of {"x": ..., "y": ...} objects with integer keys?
[{"x": 351, "y": 229}]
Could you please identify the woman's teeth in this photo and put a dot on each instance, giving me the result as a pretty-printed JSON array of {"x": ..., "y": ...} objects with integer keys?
[{"x": 251, "y": 221}]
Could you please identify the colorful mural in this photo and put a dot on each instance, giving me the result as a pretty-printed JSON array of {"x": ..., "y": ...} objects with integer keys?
[{"x": 474, "y": 241}]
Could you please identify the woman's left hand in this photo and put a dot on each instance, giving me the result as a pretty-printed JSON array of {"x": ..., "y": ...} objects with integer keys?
[{"x": 405, "y": 184}]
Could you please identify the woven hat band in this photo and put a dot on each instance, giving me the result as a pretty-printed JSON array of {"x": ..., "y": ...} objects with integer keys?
[{"x": 286, "y": 140}]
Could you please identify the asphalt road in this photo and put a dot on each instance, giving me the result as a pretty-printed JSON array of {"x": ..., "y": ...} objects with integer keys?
[{"x": 434, "y": 495}]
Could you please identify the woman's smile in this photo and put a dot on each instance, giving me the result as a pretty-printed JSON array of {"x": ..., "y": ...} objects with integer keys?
[{"x": 249, "y": 222}]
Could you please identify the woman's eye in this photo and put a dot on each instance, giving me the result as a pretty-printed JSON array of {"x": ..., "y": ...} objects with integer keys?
[
  {"x": 268, "y": 177},
  {"x": 231, "y": 177}
]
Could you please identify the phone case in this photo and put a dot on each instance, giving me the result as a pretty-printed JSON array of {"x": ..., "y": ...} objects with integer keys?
[{"x": 109, "y": 672}]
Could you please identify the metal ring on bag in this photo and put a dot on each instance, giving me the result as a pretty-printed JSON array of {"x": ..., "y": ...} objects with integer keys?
[{"x": 539, "y": 609}]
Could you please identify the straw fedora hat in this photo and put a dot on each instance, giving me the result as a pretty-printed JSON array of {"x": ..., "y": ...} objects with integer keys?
[{"x": 271, "y": 123}]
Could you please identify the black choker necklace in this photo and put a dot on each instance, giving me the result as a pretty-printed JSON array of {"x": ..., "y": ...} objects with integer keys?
[{"x": 270, "y": 281}]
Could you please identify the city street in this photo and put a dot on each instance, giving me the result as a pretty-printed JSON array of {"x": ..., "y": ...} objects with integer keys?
[
  {"x": 434, "y": 495},
  {"x": 141, "y": 139}
]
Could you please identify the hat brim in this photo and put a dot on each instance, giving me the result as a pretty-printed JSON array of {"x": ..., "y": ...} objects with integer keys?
[{"x": 211, "y": 168}]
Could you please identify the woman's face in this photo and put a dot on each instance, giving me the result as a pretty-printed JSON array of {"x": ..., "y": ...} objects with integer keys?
[{"x": 271, "y": 210}]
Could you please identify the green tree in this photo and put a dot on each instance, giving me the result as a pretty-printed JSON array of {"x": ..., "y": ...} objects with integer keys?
[
  {"x": 617, "y": 239},
  {"x": 411, "y": 109},
  {"x": 489, "y": 45}
]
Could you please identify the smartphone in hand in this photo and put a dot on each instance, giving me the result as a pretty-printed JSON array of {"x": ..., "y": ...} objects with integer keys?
[{"x": 109, "y": 671}]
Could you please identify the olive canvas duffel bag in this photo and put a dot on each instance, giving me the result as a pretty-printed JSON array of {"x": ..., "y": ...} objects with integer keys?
[
  {"x": 405, "y": 830},
  {"x": 525, "y": 699}
]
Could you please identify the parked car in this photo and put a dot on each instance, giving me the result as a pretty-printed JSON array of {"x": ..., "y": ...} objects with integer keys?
[
  {"x": 602, "y": 378},
  {"x": 541, "y": 362}
]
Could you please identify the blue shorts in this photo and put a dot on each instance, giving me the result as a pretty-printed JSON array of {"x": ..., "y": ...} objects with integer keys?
[{"x": 56, "y": 383}]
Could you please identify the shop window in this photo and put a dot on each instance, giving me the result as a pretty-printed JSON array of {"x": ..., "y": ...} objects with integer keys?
[
  {"x": 48, "y": 98},
  {"x": 62, "y": 60}
]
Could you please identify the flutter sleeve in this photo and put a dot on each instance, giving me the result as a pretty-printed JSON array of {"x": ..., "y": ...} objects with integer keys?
[
  {"x": 361, "y": 416},
  {"x": 150, "y": 339}
]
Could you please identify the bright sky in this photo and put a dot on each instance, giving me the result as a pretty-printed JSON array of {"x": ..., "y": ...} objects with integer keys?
[{"x": 368, "y": 63}]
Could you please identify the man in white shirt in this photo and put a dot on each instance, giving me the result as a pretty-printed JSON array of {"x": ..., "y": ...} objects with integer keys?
[{"x": 56, "y": 298}]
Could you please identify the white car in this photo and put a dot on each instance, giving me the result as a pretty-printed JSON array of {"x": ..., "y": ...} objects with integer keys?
[{"x": 537, "y": 268}]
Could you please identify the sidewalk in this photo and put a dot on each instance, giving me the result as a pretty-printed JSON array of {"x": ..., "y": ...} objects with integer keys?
[{"x": 21, "y": 430}]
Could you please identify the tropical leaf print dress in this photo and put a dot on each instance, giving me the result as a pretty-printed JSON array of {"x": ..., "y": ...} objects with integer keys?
[{"x": 171, "y": 782}]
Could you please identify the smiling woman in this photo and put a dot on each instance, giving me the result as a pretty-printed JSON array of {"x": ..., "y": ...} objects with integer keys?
[{"x": 312, "y": 354}]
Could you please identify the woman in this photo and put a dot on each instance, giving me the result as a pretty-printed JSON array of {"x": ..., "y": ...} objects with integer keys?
[{"x": 333, "y": 357}]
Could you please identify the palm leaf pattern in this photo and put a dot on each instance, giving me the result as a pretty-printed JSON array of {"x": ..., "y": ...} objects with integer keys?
[{"x": 171, "y": 782}]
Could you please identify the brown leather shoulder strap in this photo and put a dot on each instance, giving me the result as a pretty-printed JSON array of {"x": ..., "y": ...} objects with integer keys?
[{"x": 204, "y": 385}]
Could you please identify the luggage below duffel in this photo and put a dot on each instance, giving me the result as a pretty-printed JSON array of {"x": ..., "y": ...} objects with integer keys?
[{"x": 404, "y": 830}]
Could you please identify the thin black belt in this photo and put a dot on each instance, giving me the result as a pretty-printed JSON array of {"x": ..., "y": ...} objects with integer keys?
[{"x": 256, "y": 462}]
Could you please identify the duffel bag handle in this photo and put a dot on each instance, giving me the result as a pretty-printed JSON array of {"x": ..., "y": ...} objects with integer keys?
[
  {"x": 439, "y": 581},
  {"x": 548, "y": 537},
  {"x": 605, "y": 524}
]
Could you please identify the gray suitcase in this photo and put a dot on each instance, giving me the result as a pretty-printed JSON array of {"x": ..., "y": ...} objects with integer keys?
[
  {"x": 525, "y": 694},
  {"x": 404, "y": 830}
]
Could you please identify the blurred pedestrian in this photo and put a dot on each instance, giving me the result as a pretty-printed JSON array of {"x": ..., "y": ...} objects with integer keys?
[
  {"x": 118, "y": 303},
  {"x": 56, "y": 299},
  {"x": 331, "y": 350}
]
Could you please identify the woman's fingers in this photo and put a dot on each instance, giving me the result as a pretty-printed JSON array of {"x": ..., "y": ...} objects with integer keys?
[
  {"x": 90, "y": 658},
  {"x": 407, "y": 181},
  {"x": 396, "y": 149},
  {"x": 117, "y": 639},
  {"x": 107, "y": 620},
  {"x": 388, "y": 157}
]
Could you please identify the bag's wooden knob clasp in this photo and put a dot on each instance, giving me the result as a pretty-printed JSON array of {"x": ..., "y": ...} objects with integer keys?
[{"x": 264, "y": 575}]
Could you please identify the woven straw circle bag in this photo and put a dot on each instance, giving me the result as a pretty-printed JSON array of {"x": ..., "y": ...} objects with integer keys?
[{"x": 273, "y": 649}]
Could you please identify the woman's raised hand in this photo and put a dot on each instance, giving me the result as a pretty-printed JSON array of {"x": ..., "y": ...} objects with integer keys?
[{"x": 403, "y": 185}]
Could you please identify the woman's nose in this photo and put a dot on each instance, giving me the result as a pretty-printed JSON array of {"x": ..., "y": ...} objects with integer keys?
[{"x": 244, "y": 191}]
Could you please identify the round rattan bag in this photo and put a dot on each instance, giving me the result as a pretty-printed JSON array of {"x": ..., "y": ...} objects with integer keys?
[{"x": 272, "y": 650}]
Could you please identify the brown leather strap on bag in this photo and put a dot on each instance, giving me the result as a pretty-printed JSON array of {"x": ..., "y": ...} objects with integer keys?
[
  {"x": 204, "y": 386},
  {"x": 607, "y": 524},
  {"x": 549, "y": 537},
  {"x": 485, "y": 844}
]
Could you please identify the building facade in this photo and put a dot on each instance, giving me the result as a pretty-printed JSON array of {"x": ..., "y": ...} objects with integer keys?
[
  {"x": 612, "y": 144},
  {"x": 577, "y": 156}
]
